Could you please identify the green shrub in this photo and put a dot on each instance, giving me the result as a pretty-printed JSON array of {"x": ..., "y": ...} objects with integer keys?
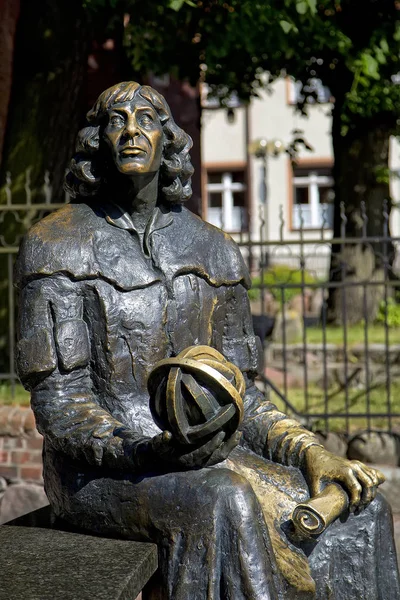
[
  {"x": 393, "y": 313},
  {"x": 280, "y": 277}
]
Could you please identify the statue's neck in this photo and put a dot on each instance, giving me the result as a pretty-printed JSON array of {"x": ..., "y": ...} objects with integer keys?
[{"x": 139, "y": 198}]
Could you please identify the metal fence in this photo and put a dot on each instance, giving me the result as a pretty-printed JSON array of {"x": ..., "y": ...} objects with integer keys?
[
  {"x": 344, "y": 377},
  {"x": 15, "y": 220},
  {"x": 331, "y": 331}
]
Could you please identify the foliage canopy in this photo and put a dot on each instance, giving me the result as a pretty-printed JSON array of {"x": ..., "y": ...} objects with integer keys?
[{"x": 352, "y": 46}]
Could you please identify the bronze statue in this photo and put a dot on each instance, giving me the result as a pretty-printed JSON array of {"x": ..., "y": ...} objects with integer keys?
[{"x": 123, "y": 278}]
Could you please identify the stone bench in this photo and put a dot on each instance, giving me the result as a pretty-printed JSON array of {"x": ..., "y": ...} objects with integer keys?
[{"x": 42, "y": 560}]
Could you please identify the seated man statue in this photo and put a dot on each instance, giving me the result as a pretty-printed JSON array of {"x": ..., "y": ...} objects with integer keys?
[{"x": 125, "y": 277}]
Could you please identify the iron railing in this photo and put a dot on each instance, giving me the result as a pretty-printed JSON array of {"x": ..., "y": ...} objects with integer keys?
[
  {"x": 344, "y": 377},
  {"x": 15, "y": 220}
]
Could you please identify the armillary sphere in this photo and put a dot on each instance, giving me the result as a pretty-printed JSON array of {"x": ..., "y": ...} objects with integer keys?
[{"x": 196, "y": 394}]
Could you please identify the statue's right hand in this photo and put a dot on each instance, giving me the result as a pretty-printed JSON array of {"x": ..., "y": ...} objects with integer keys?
[{"x": 174, "y": 454}]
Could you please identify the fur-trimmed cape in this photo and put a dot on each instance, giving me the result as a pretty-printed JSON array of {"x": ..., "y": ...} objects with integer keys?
[{"x": 86, "y": 241}]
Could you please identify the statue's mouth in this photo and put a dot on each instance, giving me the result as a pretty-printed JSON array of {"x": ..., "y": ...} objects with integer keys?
[{"x": 132, "y": 151}]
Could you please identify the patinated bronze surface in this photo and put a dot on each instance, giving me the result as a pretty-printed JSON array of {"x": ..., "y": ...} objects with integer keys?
[{"x": 123, "y": 278}]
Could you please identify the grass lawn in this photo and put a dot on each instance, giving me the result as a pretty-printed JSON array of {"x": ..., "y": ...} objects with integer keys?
[
  {"x": 21, "y": 396},
  {"x": 336, "y": 403},
  {"x": 355, "y": 335}
]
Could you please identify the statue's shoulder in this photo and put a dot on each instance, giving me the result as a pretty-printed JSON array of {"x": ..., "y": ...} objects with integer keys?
[
  {"x": 60, "y": 242},
  {"x": 68, "y": 222},
  {"x": 214, "y": 250}
]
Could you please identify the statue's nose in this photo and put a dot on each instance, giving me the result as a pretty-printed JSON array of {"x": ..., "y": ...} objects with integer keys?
[{"x": 131, "y": 128}]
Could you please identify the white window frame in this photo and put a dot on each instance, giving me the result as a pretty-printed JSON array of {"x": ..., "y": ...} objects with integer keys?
[
  {"x": 227, "y": 187},
  {"x": 313, "y": 181}
]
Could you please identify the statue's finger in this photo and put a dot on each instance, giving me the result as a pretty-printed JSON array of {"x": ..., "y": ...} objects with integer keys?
[
  {"x": 166, "y": 436},
  {"x": 369, "y": 481},
  {"x": 204, "y": 452},
  {"x": 371, "y": 494},
  {"x": 374, "y": 477},
  {"x": 353, "y": 487},
  {"x": 363, "y": 474},
  {"x": 225, "y": 449},
  {"x": 367, "y": 496},
  {"x": 232, "y": 442},
  {"x": 315, "y": 486},
  {"x": 379, "y": 475}
]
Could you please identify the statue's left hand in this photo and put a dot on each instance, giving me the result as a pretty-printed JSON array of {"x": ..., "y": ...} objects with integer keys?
[
  {"x": 321, "y": 467},
  {"x": 212, "y": 452}
]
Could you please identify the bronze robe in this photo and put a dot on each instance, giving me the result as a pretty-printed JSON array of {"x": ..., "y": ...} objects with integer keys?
[{"x": 101, "y": 304}]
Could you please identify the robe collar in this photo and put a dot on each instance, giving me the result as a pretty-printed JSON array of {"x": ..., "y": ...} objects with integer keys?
[{"x": 115, "y": 215}]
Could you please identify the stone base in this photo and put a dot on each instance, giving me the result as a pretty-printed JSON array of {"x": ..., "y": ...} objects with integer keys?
[{"x": 42, "y": 562}]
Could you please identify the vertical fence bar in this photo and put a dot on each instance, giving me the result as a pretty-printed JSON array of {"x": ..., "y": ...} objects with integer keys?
[
  {"x": 281, "y": 223},
  {"x": 261, "y": 259},
  {"x": 28, "y": 191},
  {"x": 283, "y": 308},
  {"x": 303, "y": 309},
  {"x": 385, "y": 214},
  {"x": 324, "y": 308},
  {"x": 364, "y": 218},
  {"x": 250, "y": 251},
  {"x": 67, "y": 197},
  {"x": 7, "y": 188},
  {"x": 284, "y": 341},
  {"x": 325, "y": 360},
  {"x": 11, "y": 322},
  {"x": 366, "y": 360},
  {"x": 343, "y": 271},
  {"x": 47, "y": 188}
]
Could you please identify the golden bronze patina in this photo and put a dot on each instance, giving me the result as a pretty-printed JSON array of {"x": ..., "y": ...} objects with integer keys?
[
  {"x": 312, "y": 517},
  {"x": 214, "y": 404},
  {"x": 125, "y": 285}
]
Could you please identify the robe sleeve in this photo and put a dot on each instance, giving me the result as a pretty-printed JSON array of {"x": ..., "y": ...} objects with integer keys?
[
  {"x": 266, "y": 430},
  {"x": 53, "y": 362}
]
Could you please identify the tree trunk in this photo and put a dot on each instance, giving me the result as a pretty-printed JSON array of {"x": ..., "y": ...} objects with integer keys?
[
  {"x": 48, "y": 93},
  {"x": 362, "y": 202},
  {"x": 9, "y": 12},
  {"x": 46, "y": 108},
  {"x": 184, "y": 101}
]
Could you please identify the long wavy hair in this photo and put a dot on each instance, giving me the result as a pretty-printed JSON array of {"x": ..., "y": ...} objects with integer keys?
[{"x": 91, "y": 169}]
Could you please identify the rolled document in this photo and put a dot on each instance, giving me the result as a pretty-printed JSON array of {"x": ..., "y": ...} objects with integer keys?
[{"x": 313, "y": 517}]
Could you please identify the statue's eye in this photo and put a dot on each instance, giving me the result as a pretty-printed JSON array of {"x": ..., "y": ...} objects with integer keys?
[
  {"x": 116, "y": 121},
  {"x": 145, "y": 119}
]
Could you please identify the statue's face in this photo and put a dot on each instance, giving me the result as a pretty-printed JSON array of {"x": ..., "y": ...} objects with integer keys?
[{"x": 134, "y": 135}]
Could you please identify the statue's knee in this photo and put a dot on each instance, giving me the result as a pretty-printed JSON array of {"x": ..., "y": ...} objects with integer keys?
[{"x": 233, "y": 490}]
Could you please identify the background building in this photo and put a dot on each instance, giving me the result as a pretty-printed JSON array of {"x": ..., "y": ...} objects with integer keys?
[{"x": 240, "y": 191}]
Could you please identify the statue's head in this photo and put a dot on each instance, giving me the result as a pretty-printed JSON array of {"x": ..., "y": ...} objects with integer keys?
[{"x": 131, "y": 132}]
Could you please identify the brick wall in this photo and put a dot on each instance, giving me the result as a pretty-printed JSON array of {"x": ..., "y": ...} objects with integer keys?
[{"x": 20, "y": 445}]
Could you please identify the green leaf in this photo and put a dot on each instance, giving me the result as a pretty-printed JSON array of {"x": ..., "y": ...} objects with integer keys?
[
  {"x": 302, "y": 7},
  {"x": 384, "y": 45},
  {"x": 380, "y": 56},
  {"x": 176, "y": 4},
  {"x": 312, "y": 4},
  {"x": 370, "y": 65},
  {"x": 286, "y": 26}
]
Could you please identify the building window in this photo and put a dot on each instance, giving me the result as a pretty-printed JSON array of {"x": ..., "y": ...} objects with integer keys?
[
  {"x": 226, "y": 200},
  {"x": 312, "y": 198}
]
